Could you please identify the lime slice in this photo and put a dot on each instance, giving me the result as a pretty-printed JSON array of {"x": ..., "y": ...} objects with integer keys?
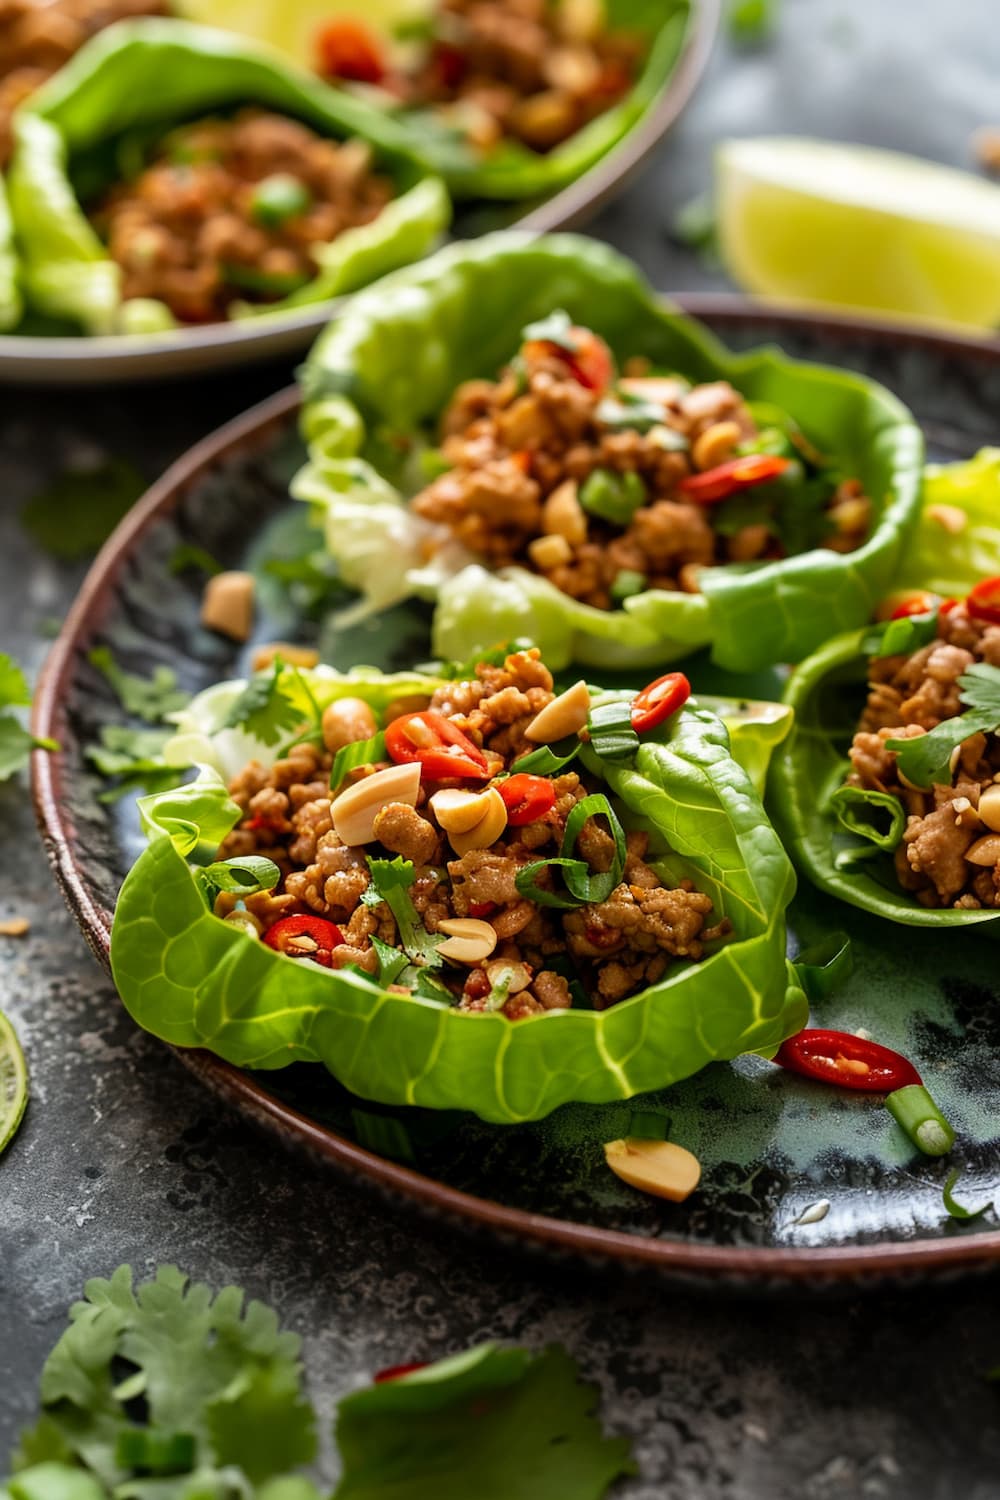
[
  {"x": 13, "y": 1082},
  {"x": 292, "y": 28},
  {"x": 852, "y": 227}
]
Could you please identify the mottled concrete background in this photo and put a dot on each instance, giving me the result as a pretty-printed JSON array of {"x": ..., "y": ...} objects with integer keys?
[{"x": 123, "y": 1157}]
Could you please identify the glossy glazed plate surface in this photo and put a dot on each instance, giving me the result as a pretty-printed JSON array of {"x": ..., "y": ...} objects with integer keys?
[
  {"x": 771, "y": 1145},
  {"x": 95, "y": 361}
]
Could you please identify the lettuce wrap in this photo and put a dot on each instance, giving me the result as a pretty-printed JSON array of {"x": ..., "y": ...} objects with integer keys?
[
  {"x": 195, "y": 981},
  {"x": 512, "y": 170},
  {"x": 847, "y": 852},
  {"x": 389, "y": 366},
  {"x": 138, "y": 79},
  {"x": 957, "y": 540}
]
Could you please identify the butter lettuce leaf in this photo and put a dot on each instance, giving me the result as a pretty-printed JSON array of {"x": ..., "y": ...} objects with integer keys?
[
  {"x": 151, "y": 74},
  {"x": 957, "y": 541},
  {"x": 10, "y": 296},
  {"x": 511, "y": 170},
  {"x": 397, "y": 354},
  {"x": 827, "y": 693},
  {"x": 195, "y": 981}
]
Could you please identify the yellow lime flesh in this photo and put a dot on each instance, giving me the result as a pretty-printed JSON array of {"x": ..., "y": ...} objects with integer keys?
[{"x": 13, "y": 1082}]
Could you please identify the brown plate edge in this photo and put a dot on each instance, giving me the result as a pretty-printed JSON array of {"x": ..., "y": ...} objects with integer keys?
[{"x": 739, "y": 1265}]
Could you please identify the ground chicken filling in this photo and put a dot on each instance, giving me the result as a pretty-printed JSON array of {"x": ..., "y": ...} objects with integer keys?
[
  {"x": 522, "y": 70},
  {"x": 38, "y": 36},
  {"x": 544, "y": 471},
  {"x": 949, "y": 855},
  {"x": 234, "y": 210},
  {"x": 615, "y": 947}
]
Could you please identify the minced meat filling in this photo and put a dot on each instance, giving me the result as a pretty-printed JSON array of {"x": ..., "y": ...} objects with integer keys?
[
  {"x": 233, "y": 210},
  {"x": 38, "y": 36},
  {"x": 523, "y": 69},
  {"x": 525, "y": 451},
  {"x": 945, "y": 857},
  {"x": 616, "y": 946}
]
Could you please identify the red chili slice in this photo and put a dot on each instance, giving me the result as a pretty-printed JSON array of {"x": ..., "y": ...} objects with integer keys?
[
  {"x": 482, "y": 908},
  {"x": 346, "y": 48},
  {"x": 732, "y": 477},
  {"x": 396, "y": 1372},
  {"x": 590, "y": 361},
  {"x": 659, "y": 700},
  {"x": 527, "y": 798},
  {"x": 983, "y": 602},
  {"x": 439, "y": 746},
  {"x": 851, "y": 1062},
  {"x": 920, "y": 602},
  {"x": 305, "y": 937}
]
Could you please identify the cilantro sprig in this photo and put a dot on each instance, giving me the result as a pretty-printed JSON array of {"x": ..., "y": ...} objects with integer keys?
[
  {"x": 925, "y": 759},
  {"x": 390, "y": 882},
  {"x": 269, "y": 710},
  {"x": 166, "y": 1391},
  {"x": 151, "y": 698},
  {"x": 16, "y": 742}
]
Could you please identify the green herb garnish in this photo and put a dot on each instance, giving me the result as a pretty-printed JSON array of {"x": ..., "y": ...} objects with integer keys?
[
  {"x": 246, "y": 875},
  {"x": 901, "y": 637},
  {"x": 151, "y": 698},
  {"x": 136, "y": 757},
  {"x": 78, "y": 512},
  {"x": 187, "y": 558},
  {"x": 349, "y": 757},
  {"x": 278, "y": 198},
  {"x": 611, "y": 734},
  {"x": 555, "y": 329},
  {"x": 925, "y": 760},
  {"x": 265, "y": 709},
  {"x": 390, "y": 882},
  {"x": 16, "y": 742},
  {"x": 549, "y": 760},
  {"x": 611, "y": 496}
]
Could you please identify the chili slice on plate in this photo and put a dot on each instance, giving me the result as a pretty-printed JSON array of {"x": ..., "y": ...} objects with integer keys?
[
  {"x": 658, "y": 700},
  {"x": 304, "y": 936},
  {"x": 439, "y": 746},
  {"x": 527, "y": 798},
  {"x": 983, "y": 602},
  {"x": 732, "y": 477}
]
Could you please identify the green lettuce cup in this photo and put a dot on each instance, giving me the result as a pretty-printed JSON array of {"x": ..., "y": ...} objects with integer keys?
[
  {"x": 196, "y": 980},
  {"x": 845, "y": 839},
  {"x": 90, "y": 126},
  {"x": 510, "y": 169},
  {"x": 379, "y": 378},
  {"x": 957, "y": 540}
]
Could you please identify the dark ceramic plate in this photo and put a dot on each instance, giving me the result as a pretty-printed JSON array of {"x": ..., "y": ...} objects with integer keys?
[
  {"x": 771, "y": 1145},
  {"x": 33, "y": 360}
]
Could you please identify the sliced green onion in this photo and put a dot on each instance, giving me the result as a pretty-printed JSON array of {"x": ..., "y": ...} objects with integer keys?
[
  {"x": 581, "y": 882},
  {"x": 548, "y": 760},
  {"x": 957, "y": 1210},
  {"x": 383, "y": 1134},
  {"x": 611, "y": 734},
  {"x": 648, "y": 1125},
  {"x": 613, "y": 497},
  {"x": 824, "y": 966},
  {"x": 525, "y": 883},
  {"x": 154, "y": 1452},
  {"x": 628, "y": 582},
  {"x": 349, "y": 757},
  {"x": 901, "y": 637},
  {"x": 915, "y": 1111},
  {"x": 849, "y": 803},
  {"x": 277, "y": 198}
]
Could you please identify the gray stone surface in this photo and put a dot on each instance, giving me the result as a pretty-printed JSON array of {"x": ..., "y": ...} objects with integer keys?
[{"x": 123, "y": 1157}]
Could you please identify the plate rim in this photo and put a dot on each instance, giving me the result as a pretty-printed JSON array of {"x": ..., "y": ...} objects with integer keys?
[
  {"x": 116, "y": 357},
  {"x": 856, "y": 1265}
]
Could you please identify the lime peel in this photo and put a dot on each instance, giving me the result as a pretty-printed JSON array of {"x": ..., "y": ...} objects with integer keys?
[
  {"x": 855, "y": 227},
  {"x": 13, "y": 1083}
]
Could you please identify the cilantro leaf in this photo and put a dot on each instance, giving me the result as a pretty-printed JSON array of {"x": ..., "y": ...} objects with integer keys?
[
  {"x": 150, "y": 698},
  {"x": 136, "y": 757},
  {"x": 16, "y": 742},
  {"x": 925, "y": 760},
  {"x": 265, "y": 709},
  {"x": 77, "y": 513},
  {"x": 391, "y": 962},
  {"x": 391, "y": 881},
  {"x": 493, "y": 1423},
  {"x": 209, "y": 1368},
  {"x": 14, "y": 690}
]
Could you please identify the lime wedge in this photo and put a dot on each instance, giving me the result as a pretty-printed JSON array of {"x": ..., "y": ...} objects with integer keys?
[
  {"x": 292, "y": 28},
  {"x": 13, "y": 1082},
  {"x": 852, "y": 227}
]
